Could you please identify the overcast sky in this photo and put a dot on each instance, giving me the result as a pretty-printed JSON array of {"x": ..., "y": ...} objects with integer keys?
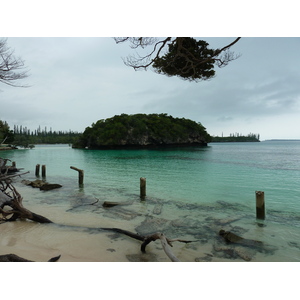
[{"x": 77, "y": 81}]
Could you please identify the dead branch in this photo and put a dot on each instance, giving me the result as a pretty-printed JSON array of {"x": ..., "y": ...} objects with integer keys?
[
  {"x": 166, "y": 243},
  {"x": 11, "y": 199},
  {"x": 11, "y": 68}
]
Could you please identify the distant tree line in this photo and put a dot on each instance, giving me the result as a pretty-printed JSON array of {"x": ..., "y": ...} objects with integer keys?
[
  {"x": 237, "y": 137},
  {"x": 21, "y": 136}
]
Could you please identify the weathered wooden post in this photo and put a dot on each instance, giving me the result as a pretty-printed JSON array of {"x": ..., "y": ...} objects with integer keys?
[
  {"x": 37, "y": 170},
  {"x": 43, "y": 170},
  {"x": 13, "y": 164},
  {"x": 142, "y": 187},
  {"x": 80, "y": 174},
  {"x": 260, "y": 205}
]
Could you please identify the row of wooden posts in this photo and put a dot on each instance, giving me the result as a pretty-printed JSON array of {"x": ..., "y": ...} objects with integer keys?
[
  {"x": 260, "y": 196},
  {"x": 80, "y": 172}
]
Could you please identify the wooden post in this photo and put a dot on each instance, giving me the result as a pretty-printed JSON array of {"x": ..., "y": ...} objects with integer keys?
[
  {"x": 43, "y": 170},
  {"x": 80, "y": 174},
  {"x": 143, "y": 187},
  {"x": 37, "y": 170},
  {"x": 13, "y": 164},
  {"x": 260, "y": 205}
]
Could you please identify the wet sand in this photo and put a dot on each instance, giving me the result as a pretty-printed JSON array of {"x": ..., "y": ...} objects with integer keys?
[
  {"x": 75, "y": 233},
  {"x": 72, "y": 237}
]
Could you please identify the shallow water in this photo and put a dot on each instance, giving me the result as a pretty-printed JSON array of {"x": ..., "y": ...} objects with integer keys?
[{"x": 192, "y": 193}]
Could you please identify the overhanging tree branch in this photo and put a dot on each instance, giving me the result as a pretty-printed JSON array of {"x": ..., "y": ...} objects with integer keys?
[
  {"x": 12, "y": 69},
  {"x": 185, "y": 57}
]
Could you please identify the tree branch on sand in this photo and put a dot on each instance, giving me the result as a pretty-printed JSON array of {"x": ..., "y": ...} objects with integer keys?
[{"x": 166, "y": 243}]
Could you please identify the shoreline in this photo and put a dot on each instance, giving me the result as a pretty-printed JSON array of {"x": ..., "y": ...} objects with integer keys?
[
  {"x": 73, "y": 235},
  {"x": 199, "y": 220}
]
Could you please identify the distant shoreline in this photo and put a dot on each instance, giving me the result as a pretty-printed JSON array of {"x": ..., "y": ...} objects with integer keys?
[{"x": 283, "y": 140}]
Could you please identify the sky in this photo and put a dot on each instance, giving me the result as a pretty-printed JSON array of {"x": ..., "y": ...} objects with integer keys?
[{"x": 76, "y": 81}]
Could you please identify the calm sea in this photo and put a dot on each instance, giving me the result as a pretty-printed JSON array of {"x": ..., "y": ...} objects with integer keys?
[{"x": 192, "y": 193}]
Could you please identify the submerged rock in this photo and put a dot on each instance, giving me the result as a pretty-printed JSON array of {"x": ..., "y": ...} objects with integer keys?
[
  {"x": 50, "y": 186},
  {"x": 41, "y": 184},
  {"x": 142, "y": 257}
]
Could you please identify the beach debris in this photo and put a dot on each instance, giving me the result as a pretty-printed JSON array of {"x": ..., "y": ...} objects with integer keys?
[
  {"x": 16, "y": 258},
  {"x": 5, "y": 169},
  {"x": 9, "y": 197},
  {"x": 41, "y": 184},
  {"x": 165, "y": 242},
  {"x": 242, "y": 247},
  {"x": 112, "y": 203}
]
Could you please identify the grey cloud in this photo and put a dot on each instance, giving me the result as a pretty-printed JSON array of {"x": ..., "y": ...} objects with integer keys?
[{"x": 77, "y": 81}]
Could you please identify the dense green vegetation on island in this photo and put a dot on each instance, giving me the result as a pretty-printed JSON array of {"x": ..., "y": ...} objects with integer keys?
[
  {"x": 142, "y": 130},
  {"x": 251, "y": 137}
]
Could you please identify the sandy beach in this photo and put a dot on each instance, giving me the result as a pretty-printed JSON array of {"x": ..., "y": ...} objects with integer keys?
[
  {"x": 76, "y": 232},
  {"x": 72, "y": 236}
]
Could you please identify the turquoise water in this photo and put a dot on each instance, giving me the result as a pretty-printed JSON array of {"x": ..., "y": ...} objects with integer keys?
[{"x": 199, "y": 190}]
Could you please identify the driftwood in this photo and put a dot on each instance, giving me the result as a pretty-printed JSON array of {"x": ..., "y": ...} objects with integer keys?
[
  {"x": 166, "y": 243},
  {"x": 16, "y": 258},
  {"x": 9, "y": 197},
  {"x": 17, "y": 211}
]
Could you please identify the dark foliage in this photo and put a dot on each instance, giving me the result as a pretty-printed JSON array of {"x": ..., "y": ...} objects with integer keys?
[
  {"x": 251, "y": 137},
  {"x": 142, "y": 130},
  {"x": 182, "y": 60}
]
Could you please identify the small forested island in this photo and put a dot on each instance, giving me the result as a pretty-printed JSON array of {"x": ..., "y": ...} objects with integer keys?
[
  {"x": 234, "y": 138},
  {"x": 143, "y": 131}
]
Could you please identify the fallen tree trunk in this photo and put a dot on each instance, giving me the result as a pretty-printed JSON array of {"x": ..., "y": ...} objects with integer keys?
[
  {"x": 17, "y": 211},
  {"x": 166, "y": 243}
]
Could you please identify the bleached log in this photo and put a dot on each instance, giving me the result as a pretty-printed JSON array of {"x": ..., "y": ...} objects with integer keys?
[
  {"x": 167, "y": 248},
  {"x": 166, "y": 243}
]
